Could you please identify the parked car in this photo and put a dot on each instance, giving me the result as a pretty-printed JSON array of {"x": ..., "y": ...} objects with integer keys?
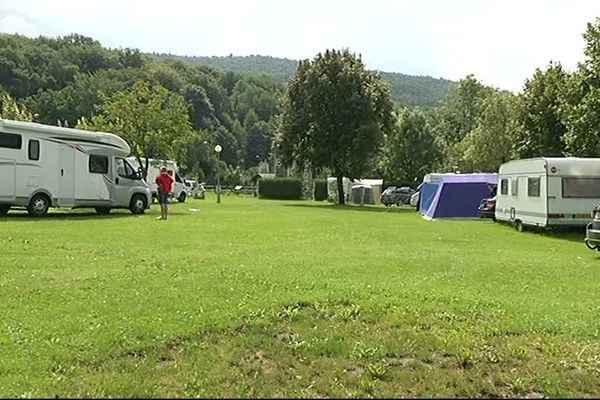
[
  {"x": 487, "y": 208},
  {"x": 414, "y": 199},
  {"x": 592, "y": 231},
  {"x": 198, "y": 190},
  {"x": 396, "y": 195}
]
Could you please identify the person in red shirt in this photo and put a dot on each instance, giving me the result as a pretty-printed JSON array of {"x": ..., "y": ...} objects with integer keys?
[{"x": 164, "y": 183}]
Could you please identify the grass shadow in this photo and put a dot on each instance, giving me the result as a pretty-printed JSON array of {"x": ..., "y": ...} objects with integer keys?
[
  {"x": 571, "y": 234},
  {"x": 85, "y": 215},
  {"x": 354, "y": 207},
  {"x": 75, "y": 216}
]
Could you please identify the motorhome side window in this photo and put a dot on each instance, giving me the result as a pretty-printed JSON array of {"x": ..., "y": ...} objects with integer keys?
[
  {"x": 587, "y": 188},
  {"x": 504, "y": 186},
  {"x": 98, "y": 164},
  {"x": 34, "y": 149},
  {"x": 514, "y": 187},
  {"x": 10, "y": 141},
  {"x": 533, "y": 187}
]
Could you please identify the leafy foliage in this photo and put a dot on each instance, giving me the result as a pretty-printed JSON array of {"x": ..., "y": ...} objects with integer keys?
[
  {"x": 409, "y": 90},
  {"x": 541, "y": 128},
  {"x": 490, "y": 143},
  {"x": 10, "y": 109},
  {"x": 335, "y": 114},
  {"x": 151, "y": 119},
  {"x": 581, "y": 109},
  {"x": 320, "y": 191},
  {"x": 280, "y": 188},
  {"x": 412, "y": 150}
]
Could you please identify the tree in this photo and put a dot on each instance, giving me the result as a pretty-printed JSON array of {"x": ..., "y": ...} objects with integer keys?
[
  {"x": 335, "y": 114},
  {"x": 412, "y": 150},
  {"x": 541, "y": 129},
  {"x": 258, "y": 140},
  {"x": 10, "y": 109},
  {"x": 151, "y": 119},
  {"x": 490, "y": 143},
  {"x": 580, "y": 109},
  {"x": 459, "y": 115}
]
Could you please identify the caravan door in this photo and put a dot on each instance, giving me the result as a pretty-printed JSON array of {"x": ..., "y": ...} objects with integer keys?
[
  {"x": 66, "y": 176},
  {"x": 8, "y": 189}
]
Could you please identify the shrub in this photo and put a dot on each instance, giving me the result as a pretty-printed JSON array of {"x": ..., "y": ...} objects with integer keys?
[
  {"x": 320, "y": 192},
  {"x": 280, "y": 188}
]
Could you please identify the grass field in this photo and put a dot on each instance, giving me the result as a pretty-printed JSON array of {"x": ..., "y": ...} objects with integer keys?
[{"x": 254, "y": 298}]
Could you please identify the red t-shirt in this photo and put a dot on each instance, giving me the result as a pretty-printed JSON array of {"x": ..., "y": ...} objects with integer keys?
[{"x": 164, "y": 182}]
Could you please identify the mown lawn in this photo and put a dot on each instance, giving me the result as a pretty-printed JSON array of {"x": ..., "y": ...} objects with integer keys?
[{"x": 255, "y": 298}]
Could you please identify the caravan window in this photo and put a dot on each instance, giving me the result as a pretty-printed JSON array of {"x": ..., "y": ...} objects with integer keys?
[
  {"x": 34, "y": 149},
  {"x": 533, "y": 187},
  {"x": 514, "y": 187},
  {"x": 10, "y": 141},
  {"x": 588, "y": 188},
  {"x": 504, "y": 186},
  {"x": 98, "y": 164}
]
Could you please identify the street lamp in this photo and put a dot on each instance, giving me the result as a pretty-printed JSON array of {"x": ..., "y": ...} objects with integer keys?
[{"x": 218, "y": 150}]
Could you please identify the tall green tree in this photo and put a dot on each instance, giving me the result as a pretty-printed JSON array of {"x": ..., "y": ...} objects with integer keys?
[
  {"x": 412, "y": 150},
  {"x": 490, "y": 143},
  {"x": 335, "y": 114},
  {"x": 458, "y": 116},
  {"x": 151, "y": 119},
  {"x": 541, "y": 129},
  {"x": 580, "y": 109}
]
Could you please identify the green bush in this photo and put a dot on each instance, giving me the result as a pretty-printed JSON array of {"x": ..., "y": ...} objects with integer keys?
[
  {"x": 280, "y": 188},
  {"x": 320, "y": 192}
]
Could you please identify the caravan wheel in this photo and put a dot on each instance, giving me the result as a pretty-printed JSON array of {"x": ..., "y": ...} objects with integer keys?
[
  {"x": 38, "y": 206},
  {"x": 519, "y": 225}
]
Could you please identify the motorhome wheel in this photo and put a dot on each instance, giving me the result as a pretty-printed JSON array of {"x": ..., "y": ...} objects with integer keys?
[
  {"x": 38, "y": 206},
  {"x": 4, "y": 209},
  {"x": 138, "y": 204}
]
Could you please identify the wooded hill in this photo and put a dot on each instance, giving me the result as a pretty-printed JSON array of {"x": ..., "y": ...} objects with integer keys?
[{"x": 409, "y": 90}]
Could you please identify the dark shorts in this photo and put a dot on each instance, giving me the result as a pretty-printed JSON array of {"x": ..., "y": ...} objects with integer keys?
[{"x": 163, "y": 198}]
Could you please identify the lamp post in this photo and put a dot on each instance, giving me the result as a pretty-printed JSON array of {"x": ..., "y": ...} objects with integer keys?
[{"x": 218, "y": 150}]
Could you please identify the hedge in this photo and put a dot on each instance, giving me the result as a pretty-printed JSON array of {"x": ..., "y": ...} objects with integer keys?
[
  {"x": 280, "y": 188},
  {"x": 320, "y": 192}
]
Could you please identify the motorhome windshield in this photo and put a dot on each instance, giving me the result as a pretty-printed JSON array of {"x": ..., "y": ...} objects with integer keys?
[{"x": 125, "y": 169}]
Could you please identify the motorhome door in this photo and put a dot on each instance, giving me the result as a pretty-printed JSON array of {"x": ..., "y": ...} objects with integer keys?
[
  {"x": 8, "y": 189},
  {"x": 66, "y": 176},
  {"x": 125, "y": 179}
]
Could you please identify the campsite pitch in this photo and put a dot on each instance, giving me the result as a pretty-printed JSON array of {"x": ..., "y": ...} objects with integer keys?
[{"x": 253, "y": 298}]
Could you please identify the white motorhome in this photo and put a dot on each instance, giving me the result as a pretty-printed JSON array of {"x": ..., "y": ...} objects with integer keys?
[
  {"x": 180, "y": 190},
  {"x": 46, "y": 166},
  {"x": 548, "y": 191}
]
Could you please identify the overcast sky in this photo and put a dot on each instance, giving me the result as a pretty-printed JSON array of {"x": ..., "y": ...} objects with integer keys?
[{"x": 500, "y": 41}]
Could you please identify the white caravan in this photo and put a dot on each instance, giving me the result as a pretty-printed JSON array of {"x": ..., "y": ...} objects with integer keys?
[
  {"x": 548, "y": 191},
  {"x": 180, "y": 191},
  {"x": 43, "y": 166}
]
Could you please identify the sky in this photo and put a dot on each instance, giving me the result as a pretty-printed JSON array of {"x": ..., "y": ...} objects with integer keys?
[{"x": 501, "y": 42}]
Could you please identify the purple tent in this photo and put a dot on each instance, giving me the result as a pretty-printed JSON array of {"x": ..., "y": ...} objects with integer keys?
[{"x": 455, "y": 195}]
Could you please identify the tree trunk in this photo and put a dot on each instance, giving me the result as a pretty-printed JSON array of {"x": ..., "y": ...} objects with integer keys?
[
  {"x": 340, "y": 186},
  {"x": 144, "y": 167}
]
